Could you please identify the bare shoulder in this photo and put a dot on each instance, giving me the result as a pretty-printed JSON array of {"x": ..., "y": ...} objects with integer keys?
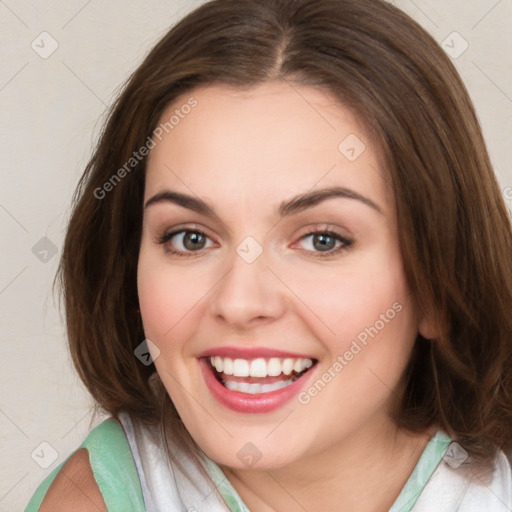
[{"x": 74, "y": 487}]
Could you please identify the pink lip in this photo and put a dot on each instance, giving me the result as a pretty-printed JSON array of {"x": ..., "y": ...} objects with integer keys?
[
  {"x": 250, "y": 353},
  {"x": 245, "y": 402}
]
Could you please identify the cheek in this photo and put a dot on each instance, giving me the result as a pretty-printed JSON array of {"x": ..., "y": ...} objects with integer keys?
[
  {"x": 372, "y": 329},
  {"x": 373, "y": 301},
  {"x": 375, "y": 325},
  {"x": 345, "y": 301},
  {"x": 158, "y": 296},
  {"x": 170, "y": 297}
]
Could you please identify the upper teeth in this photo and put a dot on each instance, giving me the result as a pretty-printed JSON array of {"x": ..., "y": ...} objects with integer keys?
[{"x": 259, "y": 367}]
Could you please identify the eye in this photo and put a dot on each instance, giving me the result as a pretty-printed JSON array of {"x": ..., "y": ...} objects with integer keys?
[
  {"x": 325, "y": 242},
  {"x": 187, "y": 241}
]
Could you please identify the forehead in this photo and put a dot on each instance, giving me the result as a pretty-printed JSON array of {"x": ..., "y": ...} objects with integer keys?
[{"x": 270, "y": 142}]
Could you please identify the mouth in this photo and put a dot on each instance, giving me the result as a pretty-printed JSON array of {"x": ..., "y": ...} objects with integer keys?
[
  {"x": 259, "y": 375},
  {"x": 259, "y": 384}
]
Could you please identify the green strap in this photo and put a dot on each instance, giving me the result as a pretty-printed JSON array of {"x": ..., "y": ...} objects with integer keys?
[
  {"x": 225, "y": 488},
  {"x": 113, "y": 468},
  {"x": 424, "y": 469}
]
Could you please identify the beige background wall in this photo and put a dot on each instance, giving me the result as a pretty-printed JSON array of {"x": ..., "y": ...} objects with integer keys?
[{"x": 51, "y": 108}]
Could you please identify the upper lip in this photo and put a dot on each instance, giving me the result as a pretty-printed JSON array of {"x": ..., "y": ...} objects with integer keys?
[{"x": 251, "y": 353}]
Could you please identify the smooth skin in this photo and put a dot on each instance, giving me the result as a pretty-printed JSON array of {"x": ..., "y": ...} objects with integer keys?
[
  {"x": 244, "y": 153},
  {"x": 74, "y": 488}
]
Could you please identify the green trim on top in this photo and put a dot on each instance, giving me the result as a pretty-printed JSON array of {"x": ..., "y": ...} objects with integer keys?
[
  {"x": 113, "y": 468},
  {"x": 225, "y": 488},
  {"x": 430, "y": 458}
]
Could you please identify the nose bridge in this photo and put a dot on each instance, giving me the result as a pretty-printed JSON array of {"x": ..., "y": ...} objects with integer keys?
[{"x": 248, "y": 290}]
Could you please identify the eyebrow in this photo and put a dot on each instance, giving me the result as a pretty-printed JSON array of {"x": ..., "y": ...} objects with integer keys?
[{"x": 289, "y": 207}]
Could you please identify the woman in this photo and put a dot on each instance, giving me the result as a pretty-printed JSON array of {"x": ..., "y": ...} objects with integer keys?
[{"x": 291, "y": 213}]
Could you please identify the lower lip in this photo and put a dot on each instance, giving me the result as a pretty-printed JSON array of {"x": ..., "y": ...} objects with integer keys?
[{"x": 247, "y": 403}]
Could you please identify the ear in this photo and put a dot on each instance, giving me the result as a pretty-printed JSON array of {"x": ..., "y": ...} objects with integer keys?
[{"x": 428, "y": 329}]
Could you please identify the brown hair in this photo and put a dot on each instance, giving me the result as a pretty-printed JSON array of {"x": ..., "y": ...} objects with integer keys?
[{"x": 454, "y": 228}]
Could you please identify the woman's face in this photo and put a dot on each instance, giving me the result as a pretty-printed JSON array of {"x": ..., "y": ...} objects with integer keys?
[{"x": 289, "y": 277}]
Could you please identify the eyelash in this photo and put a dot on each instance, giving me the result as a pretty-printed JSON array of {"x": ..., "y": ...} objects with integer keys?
[{"x": 345, "y": 242}]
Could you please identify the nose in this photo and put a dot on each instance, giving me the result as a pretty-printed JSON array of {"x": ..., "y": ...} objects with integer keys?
[{"x": 248, "y": 295}]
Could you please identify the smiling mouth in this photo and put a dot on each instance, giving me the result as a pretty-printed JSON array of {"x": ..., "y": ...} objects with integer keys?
[{"x": 259, "y": 375}]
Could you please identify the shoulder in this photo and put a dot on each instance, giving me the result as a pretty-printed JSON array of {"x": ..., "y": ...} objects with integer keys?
[
  {"x": 74, "y": 487},
  {"x": 100, "y": 475}
]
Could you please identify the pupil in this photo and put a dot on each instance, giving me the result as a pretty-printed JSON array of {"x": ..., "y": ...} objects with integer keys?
[
  {"x": 324, "y": 242},
  {"x": 193, "y": 238}
]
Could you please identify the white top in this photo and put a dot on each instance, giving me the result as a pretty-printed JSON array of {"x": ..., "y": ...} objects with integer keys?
[
  {"x": 441, "y": 481},
  {"x": 164, "y": 486}
]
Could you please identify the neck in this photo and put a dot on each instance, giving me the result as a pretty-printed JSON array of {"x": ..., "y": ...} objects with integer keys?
[{"x": 364, "y": 472}]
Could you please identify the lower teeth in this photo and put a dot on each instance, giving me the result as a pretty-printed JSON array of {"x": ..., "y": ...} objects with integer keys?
[{"x": 256, "y": 388}]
